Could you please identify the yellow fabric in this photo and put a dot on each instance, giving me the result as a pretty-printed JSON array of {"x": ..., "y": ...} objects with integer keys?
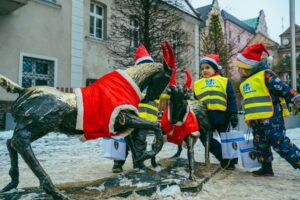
[
  {"x": 257, "y": 99},
  {"x": 164, "y": 96},
  {"x": 149, "y": 111},
  {"x": 243, "y": 65},
  {"x": 212, "y": 92},
  {"x": 285, "y": 110}
]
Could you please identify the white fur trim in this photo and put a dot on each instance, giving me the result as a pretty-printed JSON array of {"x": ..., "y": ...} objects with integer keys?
[
  {"x": 130, "y": 80},
  {"x": 143, "y": 59},
  {"x": 114, "y": 115},
  {"x": 210, "y": 59},
  {"x": 80, "y": 109},
  {"x": 196, "y": 133},
  {"x": 246, "y": 60}
]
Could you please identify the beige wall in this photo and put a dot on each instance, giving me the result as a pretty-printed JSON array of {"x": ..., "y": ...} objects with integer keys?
[
  {"x": 96, "y": 60},
  {"x": 38, "y": 29}
]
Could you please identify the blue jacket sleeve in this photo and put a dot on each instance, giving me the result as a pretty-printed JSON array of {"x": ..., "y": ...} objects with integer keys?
[
  {"x": 278, "y": 87},
  {"x": 231, "y": 99}
]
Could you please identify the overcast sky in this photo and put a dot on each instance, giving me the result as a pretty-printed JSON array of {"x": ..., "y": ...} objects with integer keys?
[{"x": 276, "y": 11}]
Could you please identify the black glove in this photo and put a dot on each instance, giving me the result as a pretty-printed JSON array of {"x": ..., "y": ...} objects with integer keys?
[{"x": 234, "y": 120}]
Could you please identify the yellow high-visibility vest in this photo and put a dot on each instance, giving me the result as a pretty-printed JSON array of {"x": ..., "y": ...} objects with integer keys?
[
  {"x": 149, "y": 110},
  {"x": 212, "y": 92},
  {"x": 257, "y": 99}
]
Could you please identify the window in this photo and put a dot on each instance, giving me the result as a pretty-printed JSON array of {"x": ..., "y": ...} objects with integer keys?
[
  {"x": 134, "y": 32},
  {"x": 37, "y": 72},
  {"x": 238, "y": 39},
  {"x": 96, "y": 21}
]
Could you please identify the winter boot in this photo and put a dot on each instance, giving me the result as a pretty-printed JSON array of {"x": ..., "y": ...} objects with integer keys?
[
  {"x": 227, "y": 164},
  {"x": 140, "y": 166},
  {"x": 265, "y": 170},
  {"x": 118, "y": 166}
]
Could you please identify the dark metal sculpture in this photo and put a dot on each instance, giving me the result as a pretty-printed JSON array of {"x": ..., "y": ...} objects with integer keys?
[
  {"x": 179, "y": 104},
  {"x": 39, "y": 110}
]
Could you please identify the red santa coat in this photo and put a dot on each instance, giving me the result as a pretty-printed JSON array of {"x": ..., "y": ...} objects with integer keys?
[
  {"x": 177, "y": 132},
  {"x": 100, "y": 103}
]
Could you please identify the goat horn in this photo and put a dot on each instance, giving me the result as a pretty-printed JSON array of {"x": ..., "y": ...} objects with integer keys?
[
  {"x": 166, "y": 56},
  {"x": 173, "y": 78},
  {"x": 188, "y": 82},
  {"x": 171, "y": 56}
]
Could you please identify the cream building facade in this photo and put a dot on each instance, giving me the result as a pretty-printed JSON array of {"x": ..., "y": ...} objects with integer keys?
[{"x": 64, "y": 43}]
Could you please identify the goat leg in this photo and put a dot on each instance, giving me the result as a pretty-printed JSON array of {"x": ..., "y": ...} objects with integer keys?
[
  {"x": 14, "y": 168},
  {"x": 190, "y": 153},
  {"x": 133, "y": 121},
  {"x": 21, "y": 142},
  {"x": 177, "y": 154}
]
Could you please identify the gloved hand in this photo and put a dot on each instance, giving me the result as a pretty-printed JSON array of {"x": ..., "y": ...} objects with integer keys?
[
  {"x": 296, "y": 100},
  {"x": 234, "y": 120}
]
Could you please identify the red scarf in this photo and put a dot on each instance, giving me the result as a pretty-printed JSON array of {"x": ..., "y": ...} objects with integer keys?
[
  {"x": 100, "y": 103},
  {"x": 177, "y": 132}
]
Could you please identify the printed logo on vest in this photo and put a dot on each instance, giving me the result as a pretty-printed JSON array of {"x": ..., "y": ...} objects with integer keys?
[
  {"x": 210, "y": 82},
  {"x": 247, "y": 88}
]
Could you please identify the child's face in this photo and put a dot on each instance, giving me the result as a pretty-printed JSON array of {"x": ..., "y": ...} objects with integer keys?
[
  {"x": 206, "y": 70},
  {"x": 243, "y": 72}
]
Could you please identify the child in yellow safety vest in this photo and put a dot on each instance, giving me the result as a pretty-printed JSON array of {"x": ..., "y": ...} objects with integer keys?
[
  {"x": 147, "y": 111},
  {"x": 264, "y": 97},
  {"x": 216, "y": 92}
]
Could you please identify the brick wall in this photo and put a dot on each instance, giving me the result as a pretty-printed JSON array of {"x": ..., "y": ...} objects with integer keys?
[{"x": 4, "y": 107}]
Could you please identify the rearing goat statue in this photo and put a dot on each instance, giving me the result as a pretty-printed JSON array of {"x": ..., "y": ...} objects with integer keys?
[
  {"x": 106, "y": 108},
  {"x": 183, "y": 119}
]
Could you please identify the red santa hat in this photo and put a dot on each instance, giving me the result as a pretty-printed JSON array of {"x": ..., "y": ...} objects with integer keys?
[
  {"x": 251, "y": 56},
  {"x": 141, "y": 55},
  {"x": 213, "y": 60}
]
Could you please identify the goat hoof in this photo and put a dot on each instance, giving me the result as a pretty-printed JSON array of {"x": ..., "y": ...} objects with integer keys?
[
  {"x": 192, "y": 177},
  {"x": 146, "y": 155},
  {"x": 11, "y": 185},
  {"x": 60, "y": 196},
  {"x": 175, "y": 156}
]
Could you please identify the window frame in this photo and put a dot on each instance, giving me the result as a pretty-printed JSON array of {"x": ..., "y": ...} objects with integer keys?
[
  {"x": 35, "y": 56},
  {"x": 134, "y": 42},
  {"x": 96, "y": 16}
]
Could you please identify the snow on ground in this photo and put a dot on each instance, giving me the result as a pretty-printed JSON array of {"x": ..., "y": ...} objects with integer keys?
[{"x": 66, "y": 159}]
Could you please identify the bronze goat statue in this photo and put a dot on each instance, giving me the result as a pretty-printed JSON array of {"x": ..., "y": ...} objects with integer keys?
[
  {"x": 184, "y": 120},
  {"x": 40, "y": 109}
]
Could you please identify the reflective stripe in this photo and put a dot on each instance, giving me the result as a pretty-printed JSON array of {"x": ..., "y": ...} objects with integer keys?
[
  {"x": 259, "y": 109},
  {"x": 152, "y": 103},
  {"x": 214, "y": 101},
  {"x": 261, "y": 99},
  {"x": 147, "y": 110},
  {"x": 211, "y": 93}
]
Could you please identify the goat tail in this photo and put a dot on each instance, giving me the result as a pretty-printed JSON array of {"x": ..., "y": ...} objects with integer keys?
[{"x": 10, "y": 86}]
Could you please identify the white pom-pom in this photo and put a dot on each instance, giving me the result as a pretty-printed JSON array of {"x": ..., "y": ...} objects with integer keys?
[{"x": 270, "y": 60}]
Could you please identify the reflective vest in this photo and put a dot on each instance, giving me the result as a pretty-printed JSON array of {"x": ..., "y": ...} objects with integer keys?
[
  {"x": 257, "y": 99},
  {"x": 212, "y": 92},
  {"x": 149, "y": 110}
]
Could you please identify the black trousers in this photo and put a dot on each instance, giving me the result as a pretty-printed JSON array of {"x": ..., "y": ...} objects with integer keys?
[
  {"x": 215, "y": 146},
  {"x": 139, "y": 137}
]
